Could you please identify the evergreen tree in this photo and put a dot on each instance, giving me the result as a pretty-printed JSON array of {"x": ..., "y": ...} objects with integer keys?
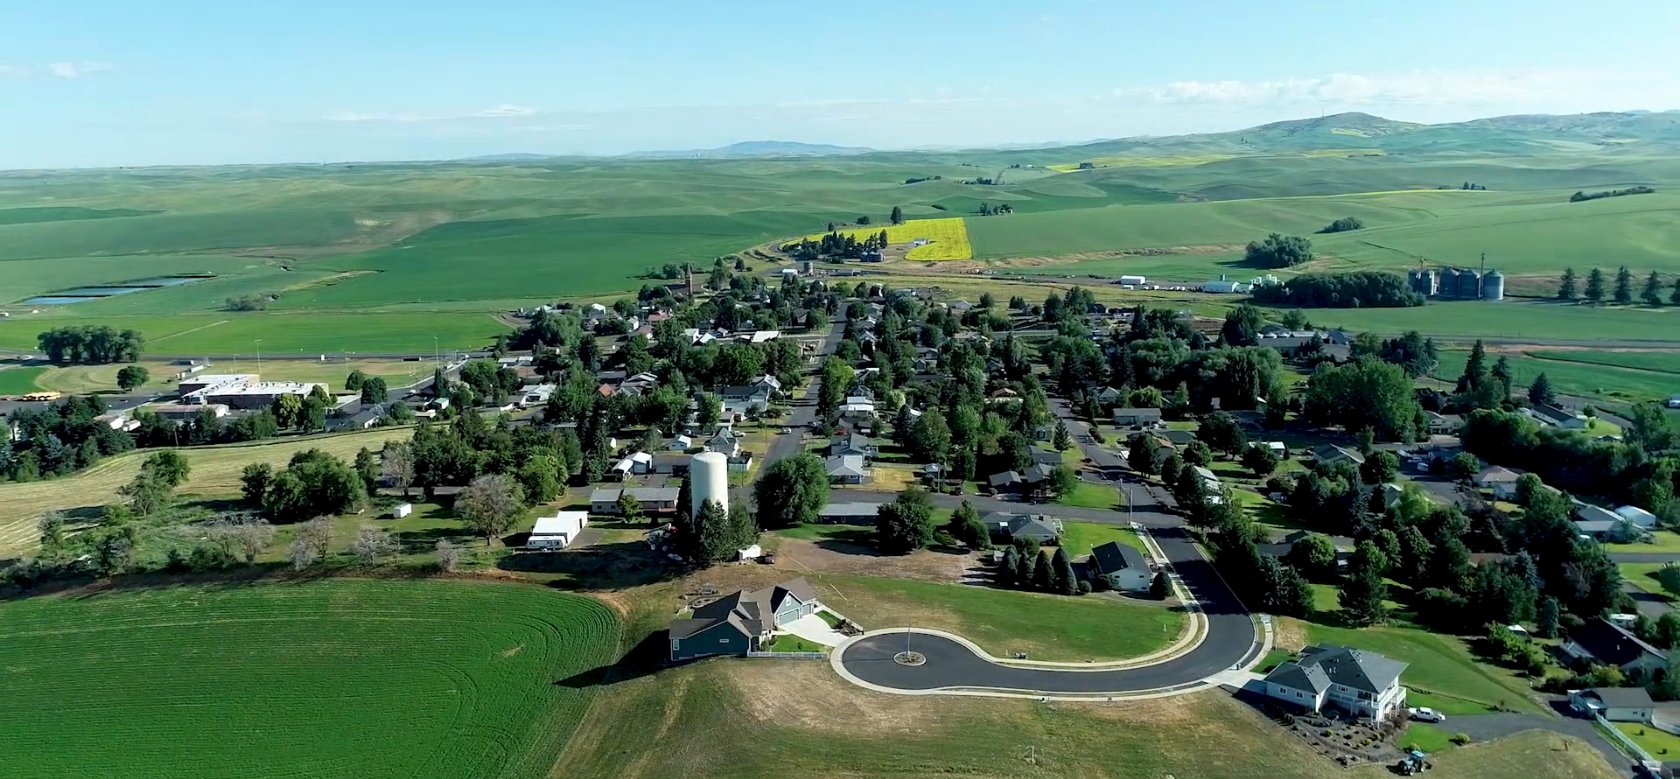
[
  {"x": 1159, "y": 587},
  {"x": 1043, "y": 578},
  {"x": 1006, "y": 572},
  {"x": 965, "y": 526},
  {"x": 1566, "y": 285},
  {"x": 1546, "y": 615},
  {"x": 1363, "y": 594},
  {"x": 1502, "y": 373},
  {"x": 1022, "y": 574},
  {"x": 1064, "y": 580},
  {"x": 1674, "y": 297},
  {"x": 1475, "y": 368},
  {"x": 1595, "y": 285},
  {"x": 1624, "y": 285},
  {"x": 1653, "y": 290},
  {"x": 897, "y": 216},
  {"x": 1062, "y": 439},
  {"x": 1541, "y": 392}
]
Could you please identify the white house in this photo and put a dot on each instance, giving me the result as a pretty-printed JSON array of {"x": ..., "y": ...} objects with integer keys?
[
  {"x": 1327, "y": 676},
  {"x": 1616, "y": 704},
  {"x": 1122, "y": 566},
  {"x": 1638, "y": 517},
  {"x": 558, "y": 531},
  {"x": 1502, "y": 481}
]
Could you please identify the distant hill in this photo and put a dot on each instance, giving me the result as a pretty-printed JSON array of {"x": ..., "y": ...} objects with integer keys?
[
  {"x": 509, "y": 157},
  {"x": 747, "y": 149}
]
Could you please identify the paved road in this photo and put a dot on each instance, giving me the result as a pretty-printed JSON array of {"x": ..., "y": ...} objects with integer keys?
[
  {"x": 1645, "y": 557},
  {"x": 804, "y": 410},
  {"x": 1231, "y": 638},
  {"x": 1487, "y": 727}
]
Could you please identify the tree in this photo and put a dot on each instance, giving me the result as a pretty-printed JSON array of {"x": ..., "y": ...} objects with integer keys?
[
  {"x": 1061, "y": 439},
  {"x": 1006, "y": 572},
  {"x": 1314, "y": 556},
  {"x": 373, "y": 544},
  {"x": 906, "y": 524},
  {"x": 965, "y": 526},
  {"x": 374, "y": 390},
  {"x": 1171, "y": 468},
  {"x": 254, "y": 482},
  {"x": 791, "y": 491},
  {"x": 863, "y": 220},
  {"x": 1043, "y": 577},
  {"x": 311, "y": 543},
  {"x": 1653, "y": 290},
  {"x": 1142, "y": 454},
  {"x": 897, "y": 216},
  {"x": 1220, "y": 431},
  {"x": 1541, "y": 392},
  {"x": 133, "y": 377},
  {"x": 253, "y": 538},
  {"x": 1242, "y": 326},
  {"x": 1674, "y": 297},
  {"x": 1260, "y": 459},
  {"x": 1063, "y": 579},
  {"x": 1279, "y": 251},
  {"x": 1668, "y": 631},
  {"x": 1624, "y": 285},
  {"x": 1361, "y": 597},
  {"x": 1063, "y": 481},
  {"x": 1566, "y": 285},
  {"x": 1160, "y": 587},
  {"x": 1595, "y": 285},
  {"x": 169, "y": 468},
  {"x": 1379, "y": 468},
  {"x": 930, "y": 437},
  {"x": 629, "y": 507},
  {"x": 541, "y": 478},
  {"x": 1546, "y": 616},
  {"x": 490, "y": 505}
]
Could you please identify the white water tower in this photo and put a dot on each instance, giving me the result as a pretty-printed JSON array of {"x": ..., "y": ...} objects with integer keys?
[{"x": 708, "y": 475}]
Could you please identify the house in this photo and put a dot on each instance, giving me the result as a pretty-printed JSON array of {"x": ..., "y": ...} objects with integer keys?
[
  {"x": 1391, "y": 495},
  {"x": 1601, "y": 524},
  {"x": 725, "y": 441},
  {"x": 1558, "y": 417},
  {"x": 1638, "y": 517},
  {"x": 748, "y": 395},
  {"x": 1604, "y": 642},
  {"x": 1362, "y": 683},
  {"x": 1502, "y": 481},
  {"x": 1177, "y": 437},
  {"x": 558, "y": 531},
  {"x": 672, "y": 463},
  {"x": 635, "y": 462},
  {"x": 848, "y": 513},
  {"x": 741, "y": 621},
  {"x": 654, "y": 500},
  {"x": 1122, "y": 565},
  {"x": 1443, "y": 424},
  {"x": 931, "y": 473},
  {"x": 679, "y": 443},
  {"x": 1615, "y": 704},
  {"x": 852, "y": 443},
  {"x": 857, "y": 411},
  {"x": 536, "y": 396},
  {"x": 1331, "y": 453},
  {"x": 768, "y": 382},
  {"x": 847, "y": 469},
  {"x": 1031, "y": 527},
  {"x": 1137, "y": 417},
  {"x": 1044, "y": 433},
  {"x": 1109, "y": 395},
  {"x": 1277, "y": 447},
  {"x": 1045, "y": 457}
]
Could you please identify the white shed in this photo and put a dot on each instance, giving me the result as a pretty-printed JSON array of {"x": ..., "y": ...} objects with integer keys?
[
  {"x": 558, "y": 531},
  {"x": 402, "y": 510},
  {"x": 749, "y": 554}
]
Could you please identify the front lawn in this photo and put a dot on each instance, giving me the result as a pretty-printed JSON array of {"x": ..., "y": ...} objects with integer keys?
[
  {"x": 1644, "y": 576},
  {"x": 1662, "y": 541},
  {"x": 1003, "y": 622},
  {"x": 1092, "y": 496},
  {"x": 787, "y": 642},
  {"x": 1425, "y": 737},
  {"x": 854, "y": 534},
  {"x": 1078, "y": 538},
  {"x": 1660, "y": 745}
]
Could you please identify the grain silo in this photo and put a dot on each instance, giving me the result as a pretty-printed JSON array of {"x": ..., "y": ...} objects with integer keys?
[
  {"x": 1493, "y": 286},
  {"x": 1469, "y": 284},
  {"x": 708, "y": 475}
]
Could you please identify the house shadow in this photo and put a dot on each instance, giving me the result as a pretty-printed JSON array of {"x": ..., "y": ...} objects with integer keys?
[
  {"x": 852, "y": 548},
  {"x": 596, "y": 567},
  {"x": 644, "y": 659}
]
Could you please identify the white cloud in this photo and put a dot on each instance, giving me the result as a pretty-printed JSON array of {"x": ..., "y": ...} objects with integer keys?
[
  {"x": 1561, "y": 88},
  {"x": 503, "y": 111},
  {"x": 495, "y": 112},
  {"x": 78, "y": 69}
]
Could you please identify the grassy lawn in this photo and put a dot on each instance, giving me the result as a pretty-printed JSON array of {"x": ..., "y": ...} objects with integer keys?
[
  {"x": 1644, "y": 576},
  {"x": 83, "y": 379},
  {"x": 788, "y": 642},
  {"x": 890, "y": 477},
  {"x": 20, "y": 381},
  {"x": 1446, "y": 704},
  {"x": 1092, "y": 496},
  {"x": 477, "y": 666},
  {"x": 1436, "y": 663},
  {"x": 1268, "y": 513},
  {"x": 1047, "y": 627},
  {"x": 294, "y": 335},
  {"x": 830, "y": 618},
  {"x": 1582, "y": 378},
  {"x": 215, "y": 473},
  {"x": 1079, "y": 537},
  {"x": 1273, "y": 659},
  {"x": 1660, "y": 745},
  {"x": 1661, "y": 541},
  {"x": 1425, "y": 737},
  {"x": 857, "y": 534}
]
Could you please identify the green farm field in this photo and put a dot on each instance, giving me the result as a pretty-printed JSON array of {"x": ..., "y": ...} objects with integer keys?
[
  {"x": 17, "y": 381},
  {"x": 282, "y": 334},
  {"x": 357, "y": 679},
  {"x": 1579, "y": 376},
  {"x": 1510, "y": 319}
]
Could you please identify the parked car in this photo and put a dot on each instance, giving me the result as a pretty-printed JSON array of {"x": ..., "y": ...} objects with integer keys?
[
  {"x": 1427, "y": 715},
  {"x": 785, "y": 431}
]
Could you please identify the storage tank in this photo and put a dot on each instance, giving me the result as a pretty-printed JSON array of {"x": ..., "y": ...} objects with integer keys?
[
  {"x": 708, "y": 475},
  {"x": 1493, "y": 286},
  {"x": 1469, "y": 285}
]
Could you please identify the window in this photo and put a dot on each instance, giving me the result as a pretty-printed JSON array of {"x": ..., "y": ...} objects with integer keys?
[
  {"x": 1299, "y": 694},
  {"x": 723, "y": 641}
]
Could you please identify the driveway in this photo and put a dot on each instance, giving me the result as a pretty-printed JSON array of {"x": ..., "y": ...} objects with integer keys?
[
  {"x": 812, "y": 628},
  {"x": 1487, "y": 727}
]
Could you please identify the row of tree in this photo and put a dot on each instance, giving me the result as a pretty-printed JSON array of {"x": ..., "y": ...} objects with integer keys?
[
  {"x": 91, "y": 345},
  {"x": 1360, "y": 289},
  {"x": 1651, "y": 293}
]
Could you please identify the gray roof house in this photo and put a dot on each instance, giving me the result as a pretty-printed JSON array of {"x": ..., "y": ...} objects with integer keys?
[
  {"x": 852, "y": 443},
  {"x": 849, "y": 513},
  {"x": 1331, "y": 453},
  {"x": 1032, "y": 527},
  {"x": 1137, "y": 416},
  {"x": 1362, "y": 683},
  {"x": 1122, "y": 565},
  {"x": 1603, "y": 641},
  {"x": 741, "y": 621},
  {"x": 725, "y": 440},
  {"x": 847, "y": 469},
  {"x": 1044, "y": 457},
  {"x": 1556, "y": 416}
]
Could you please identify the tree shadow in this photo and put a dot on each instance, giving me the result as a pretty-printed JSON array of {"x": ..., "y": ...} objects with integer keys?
[
  {"x": 596, "y": 567},
  {"x": 852, "y": 548}
]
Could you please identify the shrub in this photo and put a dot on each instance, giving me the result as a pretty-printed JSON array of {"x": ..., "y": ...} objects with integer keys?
[
  {"x": 1460, "y": 738},
  {"x": 1084, "y": 587},
  {"x": 1343, "y": 225}
]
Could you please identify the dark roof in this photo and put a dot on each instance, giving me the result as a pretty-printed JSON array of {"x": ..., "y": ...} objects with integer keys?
[
  {"x": 851, "y": 442},
  {"x": 1115, "y": 556},
  {"x": 1611, "y": 644},
  {"x": 1354, "y": 668},
  {"x": 1042, "y": 457},
  {"x": 1037, "y": 473},
  {"x": 1332, "y": 453},
  {"x": 1623, "y": 697},
  {"x": 751, "y": 611},
  {"x": 1140, "y": 413},
  {"x": 1004, "y": 479},
  {"x": 1556, "y": 415}
]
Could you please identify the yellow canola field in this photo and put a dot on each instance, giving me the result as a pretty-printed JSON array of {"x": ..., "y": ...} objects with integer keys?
[{"x": 947, "y": 238}]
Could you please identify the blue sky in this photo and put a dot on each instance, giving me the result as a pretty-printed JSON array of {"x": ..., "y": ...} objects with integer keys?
[{"x": 116, "y": 82}]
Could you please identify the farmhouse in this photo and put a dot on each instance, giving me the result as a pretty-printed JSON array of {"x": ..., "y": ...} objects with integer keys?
[
  {"x": 1602, "y": 641},
  {"x": 558, "y": 531},
  {"x": 1121, "y": 565},
  {"x": 1362, "y": 683},
  {"x": 1442, "y": 424},
  {"x": 741, "y": 621},
  {"x": 654, "y": 500}
]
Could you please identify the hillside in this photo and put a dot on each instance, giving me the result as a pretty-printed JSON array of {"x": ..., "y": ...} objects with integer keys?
[{"x": 749, "y": 149}]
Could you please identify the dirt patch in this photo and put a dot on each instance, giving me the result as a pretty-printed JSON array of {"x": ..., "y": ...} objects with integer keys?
[
  {"x": 808, "y": 695},
  {"x": 1288, "y": 634},
  {"x": 1177, "y": 711},
  {"x": 511, "y": 651},
  {"x": 328, "y": 281},
  {"x": 799, "y": 556}
]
